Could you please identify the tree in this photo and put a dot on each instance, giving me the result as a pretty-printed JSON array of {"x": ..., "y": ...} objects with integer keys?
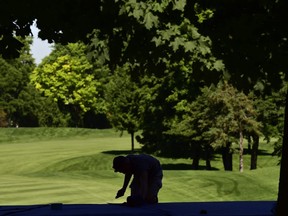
[
  {"x": 168, "y": 55},
  {"x": 69, "y": 78},
  {"x": 13, "y": 80},
  {"x": 123, "y": 99},
  {"x": 23, "y": 105},
  {"x": 218, "y": 118},
  {"x": 256, "y": 59},
  {"x": 173, "y": 56},
  {"x": 37, "y": 110},
  {"x": 189, "y": 115},
  {"x": 10, "y": 79},
  {"x": 270, "y": 112}
]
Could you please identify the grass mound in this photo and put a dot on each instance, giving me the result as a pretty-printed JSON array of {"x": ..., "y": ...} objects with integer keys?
[{"x": 84, "y": 163}]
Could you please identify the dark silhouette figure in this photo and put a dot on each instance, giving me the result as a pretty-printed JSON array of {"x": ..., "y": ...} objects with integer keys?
[{"x": 147, "y": 178}]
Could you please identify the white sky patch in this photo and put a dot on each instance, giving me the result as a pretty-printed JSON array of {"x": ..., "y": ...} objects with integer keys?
[{"x": 39, "y": 49}]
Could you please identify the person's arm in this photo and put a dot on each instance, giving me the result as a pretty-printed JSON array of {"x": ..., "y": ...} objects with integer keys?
[
  {"x": 126, "y": 180},
  {"x": 121, "y": 192}
]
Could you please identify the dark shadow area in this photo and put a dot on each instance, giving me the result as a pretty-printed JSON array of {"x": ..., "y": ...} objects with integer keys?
[
  {"x": 182, "y": 166},
  {"x": 169, "y": 166},
  {"x": 259, "y": 152},
  {"x": 121, "y": 152},
  {"x": 264, "y": 152},
  {"x": 93, "y": 120},
  {"x": 244, "y": 208},
  {"x": 225, "y": 187}
]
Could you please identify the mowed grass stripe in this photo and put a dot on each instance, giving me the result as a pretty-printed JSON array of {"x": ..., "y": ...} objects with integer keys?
[
  {"x": 220, "y": 185},
  {"x": 42, "y": 190}
]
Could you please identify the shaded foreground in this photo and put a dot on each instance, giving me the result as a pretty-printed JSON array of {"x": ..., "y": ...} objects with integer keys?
[{"x": 239, "y": 208}]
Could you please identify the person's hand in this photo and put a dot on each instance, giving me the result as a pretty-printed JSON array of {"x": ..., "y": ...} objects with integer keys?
[{"x": 120, "y": 193}]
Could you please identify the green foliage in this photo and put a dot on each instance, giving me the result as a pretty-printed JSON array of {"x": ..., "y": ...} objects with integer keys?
[
  {"x": 67, "y": 77},
  {"x": 215, "y": 118},
  {"x": 225, "y": 22},
  {"x": 10, "y": 79},
  {"x": 14, "y": 78},
  {"x": 36, "y": 110},
  {"x": 22, "y": 103},
  {"x": 203, "y": 14},
  {"x": 168, "y": 59},
  {"x": 98, "y": 49},
  {"x": 238, "y": 118},
  {"x": 270, "y": 109},
  {"x": 174, "y": 59},
  {"x": 123, "y": 101},
  {"x": 255, "y": 59}
]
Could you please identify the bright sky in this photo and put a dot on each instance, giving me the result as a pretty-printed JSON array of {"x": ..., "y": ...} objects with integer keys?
[{"x": 39, "y": 48}]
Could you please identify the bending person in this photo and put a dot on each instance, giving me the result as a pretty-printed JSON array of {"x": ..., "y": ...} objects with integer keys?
[{"x": 147, "y": 178}]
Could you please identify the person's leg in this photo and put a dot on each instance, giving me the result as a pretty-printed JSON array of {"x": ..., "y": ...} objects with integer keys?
[
  {"x": 155, "y": 184},
  {"x": 135, "y": 187},
  {"x": 135, "y": 198}
]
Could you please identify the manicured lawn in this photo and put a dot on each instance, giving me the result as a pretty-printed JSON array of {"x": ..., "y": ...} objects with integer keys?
[{"x": 45, "y": 165}]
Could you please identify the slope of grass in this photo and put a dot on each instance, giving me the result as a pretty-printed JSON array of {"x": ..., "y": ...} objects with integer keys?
[
  {"x": 44, "y": 165},
  {"x": 15, "y": 135}
]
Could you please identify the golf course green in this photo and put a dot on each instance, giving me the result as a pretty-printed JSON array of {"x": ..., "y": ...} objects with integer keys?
[{"x": 74, "y": 165}]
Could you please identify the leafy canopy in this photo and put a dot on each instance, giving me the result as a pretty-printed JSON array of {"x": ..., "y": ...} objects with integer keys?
[{"x": 68, "y": 77}]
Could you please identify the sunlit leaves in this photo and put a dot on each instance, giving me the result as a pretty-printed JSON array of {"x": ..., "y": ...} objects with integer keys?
[
  {"x": 150, "y": 20},
  {"x": 142, "y": 12},
  {"x": 202, "y": 14},
  {"x": 185, "y": 40},
  {"x": 146, "y": 12},
  {"x": 179, "y": 5},
  {"x": 98, "y": 48},
  {"x": 68, "y": 78}
]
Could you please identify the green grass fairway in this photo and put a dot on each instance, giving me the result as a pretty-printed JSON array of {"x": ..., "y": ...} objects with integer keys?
[{"x": 45, "y": 165}]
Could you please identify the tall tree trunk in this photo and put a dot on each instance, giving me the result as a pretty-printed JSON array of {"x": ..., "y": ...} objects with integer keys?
[
  {"x": 132, "y": 142},
  {"x": 195, "y": 163},
  {"x": 208, "y": 154},
  {"x": 227, "y": 157},
  {"x": 196, "y": 157},
  {"x": 282, "y": 207},
  {"x": 241, "y": 161},
  {"x": 208, "y": 164},
  {"x": 249, "y": 144},
  {"x": 254, "y": 152}
]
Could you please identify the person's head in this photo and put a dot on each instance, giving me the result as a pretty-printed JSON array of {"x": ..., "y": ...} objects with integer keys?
[{"x": 121, "y": 164}]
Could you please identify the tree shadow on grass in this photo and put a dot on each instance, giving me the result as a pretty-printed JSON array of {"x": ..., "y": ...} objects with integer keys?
[
  {"x": 183, "y": 166},
  {"x": 259, "y": 152},
  {"x": 168, "y": 166},
  {"x": 120, "y": 152}
]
